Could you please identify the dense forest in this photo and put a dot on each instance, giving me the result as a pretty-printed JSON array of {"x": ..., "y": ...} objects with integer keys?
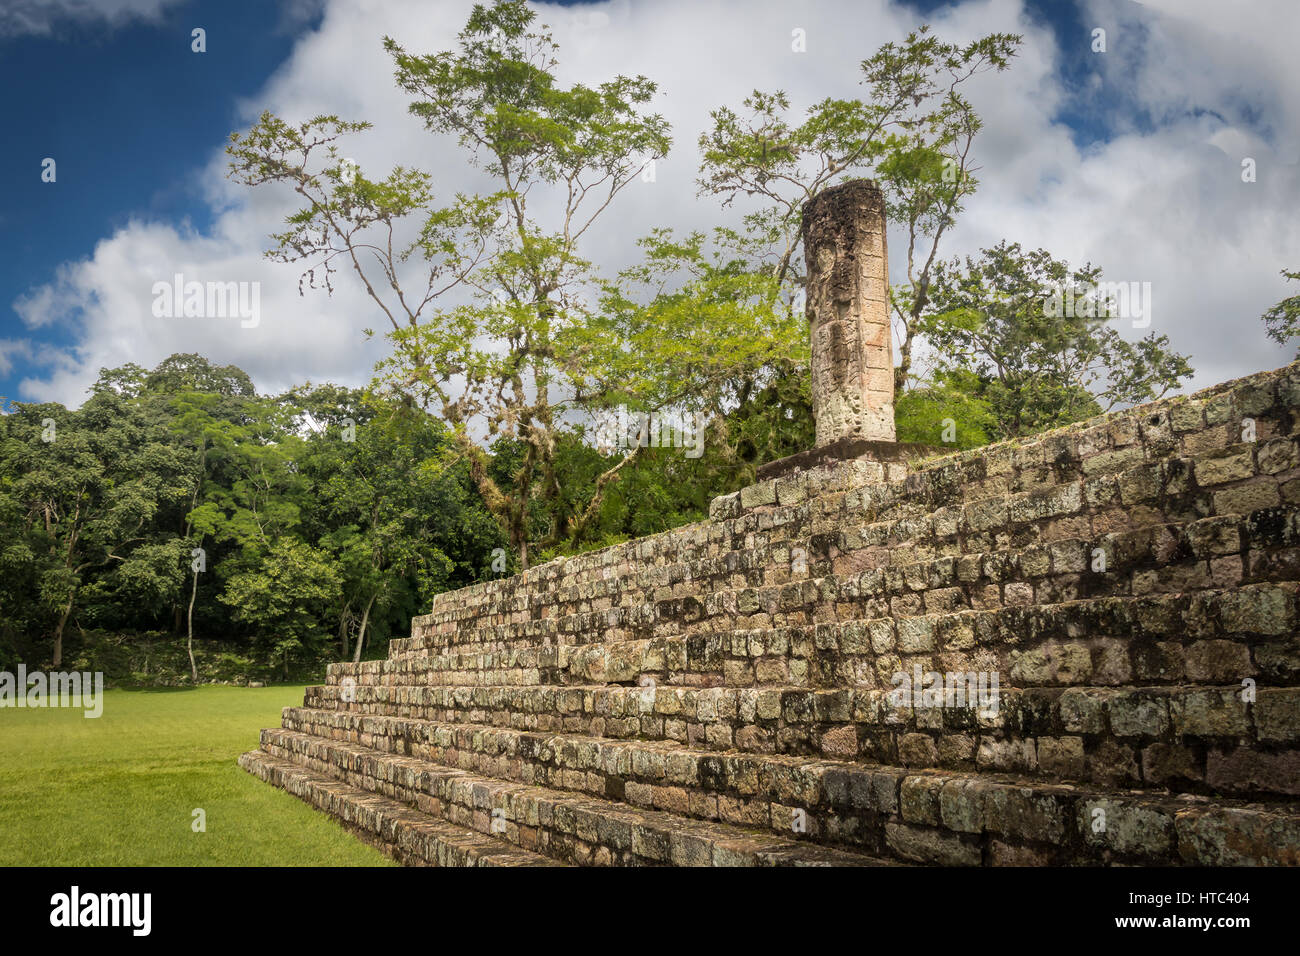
[{"x": 178, "y": 525}]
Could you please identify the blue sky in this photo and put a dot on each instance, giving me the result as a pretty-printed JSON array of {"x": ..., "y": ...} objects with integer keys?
[
  {"x": 136, "y": 122},
  {"x": 129, "y": 113}
]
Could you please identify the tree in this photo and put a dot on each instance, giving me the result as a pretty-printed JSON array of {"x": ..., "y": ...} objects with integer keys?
[
  {"x": 1034, "y": 339},
  {"x": 945, "y": 410},
  {"x": 496, "y": 362},
  {"x": 197, "y": 418},
  {"x": 688, "y": 336},
  {"x": 1283, "y": 319},
  {"x": 284, "y": 598},
  {"x": 85, "y": 487},
  {"x": 914, "y": 134},
  {"x": 196, "y": 401},
  {"x": 390, "y": 504},
  {"x": 102, "y": 508}
]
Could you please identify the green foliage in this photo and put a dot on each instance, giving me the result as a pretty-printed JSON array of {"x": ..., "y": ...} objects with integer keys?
[
  {"x": 690, "y": 327},
  {"x": 1001, "y": 331},
  {"x": 284, "y": 598},
  {"x": 81, "y": 491},
  {"x": 1283, "y": 319},
  {"x": 662, "y": 488},
  {"x": 319, "y": 515},
  {"x": 913, "y": 133},
  {"x": 159, "y": 659},
  {"x": 501, "y": 362},
  {"x": 945, "y": 412}
]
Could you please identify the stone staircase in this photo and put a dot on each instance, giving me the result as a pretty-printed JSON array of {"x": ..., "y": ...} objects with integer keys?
[{"x": 728, "y": 693}]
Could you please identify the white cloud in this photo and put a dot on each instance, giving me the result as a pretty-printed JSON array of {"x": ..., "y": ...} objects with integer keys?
[
  {"x": 41, "y": 17},
  {"x": 295, "y": 338},
  {"x": 1162, "y": 202},
  {"x": 11, "y": 349}
]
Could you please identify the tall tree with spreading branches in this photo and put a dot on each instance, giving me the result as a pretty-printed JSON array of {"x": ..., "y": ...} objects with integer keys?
[
  {"x": 500, "y": 360},
  {"x": 913, "y": 133}
]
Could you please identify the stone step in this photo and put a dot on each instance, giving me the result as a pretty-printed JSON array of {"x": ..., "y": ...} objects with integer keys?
[
  {"x": 920, "y": 816},
  {"x": 622, "y": 562},
  {"x": 876, "y": 579},
  {"x": 1190, "y": 738},
  {"x": 1199, "y": 426},
  {"x": 1208, "y": 636},
  {"x": 408, "y": 836},
  {"x": 997, "y": 488},
  {"x": 773, "y": 631},
  {"x": 562, "y": 825}
]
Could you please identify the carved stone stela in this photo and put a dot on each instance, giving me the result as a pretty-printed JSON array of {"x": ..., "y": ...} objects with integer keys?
[{"x": 848, "y": 312}]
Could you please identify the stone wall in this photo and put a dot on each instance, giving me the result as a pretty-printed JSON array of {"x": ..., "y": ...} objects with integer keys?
[{"x": 1131, "y": 581}]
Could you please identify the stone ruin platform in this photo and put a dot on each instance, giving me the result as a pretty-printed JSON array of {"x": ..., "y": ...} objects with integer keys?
[
  {"x": 719, "y": 694},
  {"x": 847, "y": 450}
]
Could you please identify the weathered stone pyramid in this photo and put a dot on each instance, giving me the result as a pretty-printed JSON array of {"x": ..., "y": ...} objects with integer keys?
[{"x": 732, "y": 692}]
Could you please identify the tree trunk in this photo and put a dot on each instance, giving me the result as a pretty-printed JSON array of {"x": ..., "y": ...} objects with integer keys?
[
  {"x": 361, "y": 635},
  {"x": 344, "y": 617},
  {"x": 904, "y": 362},
  {"x": 523, "y": 551},
  {"x": 58, "y": 633},
  {"x": 189, "y": 626}
]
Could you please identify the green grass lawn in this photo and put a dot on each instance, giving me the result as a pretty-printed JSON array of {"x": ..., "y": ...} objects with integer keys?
[{"x": 120, "y": 790}]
